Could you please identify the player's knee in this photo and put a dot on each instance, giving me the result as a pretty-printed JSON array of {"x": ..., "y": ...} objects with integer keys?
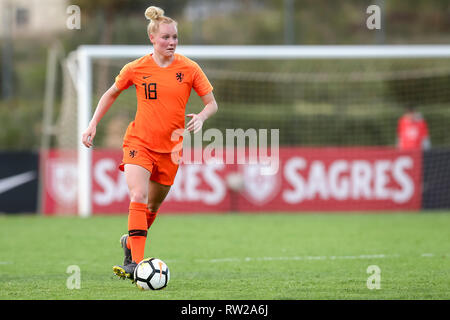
[{"x": 138, "y": 196}]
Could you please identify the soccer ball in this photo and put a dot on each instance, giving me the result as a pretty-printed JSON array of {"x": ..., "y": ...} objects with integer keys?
[{"x": 151, "y": 274}]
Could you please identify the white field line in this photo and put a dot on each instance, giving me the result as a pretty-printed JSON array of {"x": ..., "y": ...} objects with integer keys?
[
  {"x": 312, "y": 258},
  {"x": 294, "y": 258},
  {"x": 299, "y": 258},
  {"x": 428, "y": 255},
  {"x": 291, "y": 258}
]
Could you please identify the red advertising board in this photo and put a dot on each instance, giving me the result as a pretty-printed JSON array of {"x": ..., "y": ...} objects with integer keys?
[{"x": 307, "y": 179}]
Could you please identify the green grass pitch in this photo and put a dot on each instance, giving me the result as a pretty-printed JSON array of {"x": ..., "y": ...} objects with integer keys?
[{"x": 233, "y": 256}]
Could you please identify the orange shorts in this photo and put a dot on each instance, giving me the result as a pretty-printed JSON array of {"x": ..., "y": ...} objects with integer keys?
[{"x": 162, "y": 166}]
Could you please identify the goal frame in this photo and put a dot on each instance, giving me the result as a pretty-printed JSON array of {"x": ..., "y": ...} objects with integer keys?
[{"x": 86, "y": 54}]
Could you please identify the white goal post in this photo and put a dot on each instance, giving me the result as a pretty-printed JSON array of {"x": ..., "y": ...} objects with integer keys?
[{"x": 86, "y": 54}]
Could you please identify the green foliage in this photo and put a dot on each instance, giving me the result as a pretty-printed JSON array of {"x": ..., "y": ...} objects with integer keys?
[
  {"x": 418, "y": 92},
  {"x": 310, "y": 129},
  {"x": 20, "y": 123},
  {"x": 305, "y": 116}
]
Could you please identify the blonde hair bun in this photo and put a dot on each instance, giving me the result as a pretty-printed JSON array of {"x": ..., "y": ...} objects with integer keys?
[
  {"x": 156, "y": 17},
  {"x": 153, "y": 13}
]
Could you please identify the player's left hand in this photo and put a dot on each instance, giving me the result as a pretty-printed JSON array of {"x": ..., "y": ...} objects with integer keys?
[{"x": 195, "y": 124}]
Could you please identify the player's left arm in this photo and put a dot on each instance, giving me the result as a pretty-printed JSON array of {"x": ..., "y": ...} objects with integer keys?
[{"x": 211, "y": 107}]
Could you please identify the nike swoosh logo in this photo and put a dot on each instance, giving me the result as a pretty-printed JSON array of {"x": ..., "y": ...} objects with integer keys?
[
  {"x": 12, "y": 182},
  {"x": 145, "y": 77}
]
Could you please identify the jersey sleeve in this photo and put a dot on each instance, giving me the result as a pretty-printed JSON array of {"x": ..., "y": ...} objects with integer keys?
[
  {"x": 399, "y": 126},
  {"x": 425, "y": 129},
  {"x": 200, "y": 82},
  {"x": 125, "y": 78}
]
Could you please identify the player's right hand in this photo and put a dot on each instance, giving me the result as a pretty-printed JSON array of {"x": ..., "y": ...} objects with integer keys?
[{"x": 88, "y": 136}]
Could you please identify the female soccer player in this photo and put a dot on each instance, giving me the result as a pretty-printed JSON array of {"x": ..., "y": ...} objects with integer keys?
[{"x": 163, "y": 81}]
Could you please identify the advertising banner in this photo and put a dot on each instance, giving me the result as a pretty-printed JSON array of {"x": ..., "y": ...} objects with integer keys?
[
  {"x": 19, "y": 181},
  {"x": 306, "y": 179},
  {"x": 436, "y": 179}
]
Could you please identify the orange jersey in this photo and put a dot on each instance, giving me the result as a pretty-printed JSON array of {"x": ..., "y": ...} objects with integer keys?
[
  {"x": 411, "y": 131},
  {"x": 162, "y": 95}
]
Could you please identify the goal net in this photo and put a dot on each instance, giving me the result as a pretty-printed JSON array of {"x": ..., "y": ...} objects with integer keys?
[{"x": 346, "y": 99}]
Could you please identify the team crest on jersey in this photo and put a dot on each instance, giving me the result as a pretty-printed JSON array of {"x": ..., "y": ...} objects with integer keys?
[
  {"x": 180, "y": 76},
  {"x": 133, "y": 153}
]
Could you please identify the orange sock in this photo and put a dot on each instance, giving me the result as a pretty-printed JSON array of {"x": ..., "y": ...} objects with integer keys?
[
  {"x": 151, "y": 216},
  {"x": 137, "y": 230}
]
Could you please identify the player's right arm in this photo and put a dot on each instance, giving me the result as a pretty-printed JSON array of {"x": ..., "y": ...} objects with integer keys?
[{"x": 103, "y": 106}]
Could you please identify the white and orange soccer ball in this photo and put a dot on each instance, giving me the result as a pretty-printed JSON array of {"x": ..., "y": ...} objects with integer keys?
[{"x": 151, "y": 274}]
